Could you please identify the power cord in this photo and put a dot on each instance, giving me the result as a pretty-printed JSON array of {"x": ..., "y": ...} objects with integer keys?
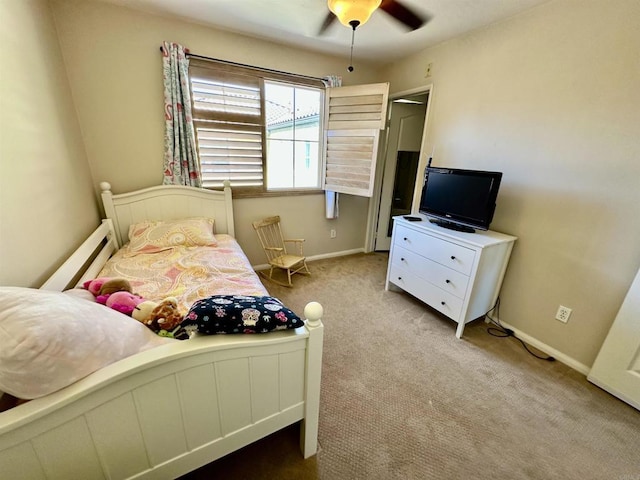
[{"x": 499, "y": 330}]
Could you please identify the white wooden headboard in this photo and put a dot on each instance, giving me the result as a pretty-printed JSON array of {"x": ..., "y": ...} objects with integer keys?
[{"x": 167, "y": 202}]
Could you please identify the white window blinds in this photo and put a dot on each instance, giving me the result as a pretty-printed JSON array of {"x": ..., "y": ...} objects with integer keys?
[{"x": 228, "y": 118}]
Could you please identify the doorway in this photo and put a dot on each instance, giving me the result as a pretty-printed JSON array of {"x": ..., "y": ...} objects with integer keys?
[{"x": 404, "y": 140}]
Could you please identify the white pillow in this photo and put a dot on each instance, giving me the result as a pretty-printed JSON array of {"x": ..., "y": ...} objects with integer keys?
[
  {"x": 82, "y": 293},
  {"x": 49, "y": 340}
]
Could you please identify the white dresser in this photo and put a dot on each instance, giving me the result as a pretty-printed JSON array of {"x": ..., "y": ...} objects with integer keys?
[{"x": 457, "y": 273}]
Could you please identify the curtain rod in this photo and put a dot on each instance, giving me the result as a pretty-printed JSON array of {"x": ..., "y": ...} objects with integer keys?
[{"x": 235, "y": 64}]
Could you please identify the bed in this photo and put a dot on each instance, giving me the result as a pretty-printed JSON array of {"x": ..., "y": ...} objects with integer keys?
[{"x": 167, "y": 410}]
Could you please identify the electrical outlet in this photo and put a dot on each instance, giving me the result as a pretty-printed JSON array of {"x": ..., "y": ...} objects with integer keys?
[
  {"x": 332, "y": 234},
  {"x": 563, "y": 314}
]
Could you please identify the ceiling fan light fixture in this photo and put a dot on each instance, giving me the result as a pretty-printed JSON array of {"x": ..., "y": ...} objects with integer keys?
[{"x": 350, "y": 11}]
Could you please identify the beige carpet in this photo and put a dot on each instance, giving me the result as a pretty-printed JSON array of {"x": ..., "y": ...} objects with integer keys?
[{"x": 402, "y": 398}]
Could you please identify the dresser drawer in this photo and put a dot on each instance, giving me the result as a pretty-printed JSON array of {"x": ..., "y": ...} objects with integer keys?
[
  {"x": 445, "y": 253},
  {"x": 444, "y": 302},
  {"x": 439, "y": 275}
]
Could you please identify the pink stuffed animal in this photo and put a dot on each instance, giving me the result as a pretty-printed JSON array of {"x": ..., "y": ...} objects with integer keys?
[
  {"x": 103, "y": 287},
  {"x": 124, "y": 302},
  {"x": 95, "y": 285}
]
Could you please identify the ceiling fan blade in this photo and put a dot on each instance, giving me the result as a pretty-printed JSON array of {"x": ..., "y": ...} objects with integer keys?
[
  {"x": 403, "y": 14},
  {"x": 328, "y": 20}
]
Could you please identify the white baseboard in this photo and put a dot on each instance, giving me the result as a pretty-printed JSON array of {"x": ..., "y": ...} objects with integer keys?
[
  {"x": 312, "y": 258},
  {"x": 543, "y": 347}
]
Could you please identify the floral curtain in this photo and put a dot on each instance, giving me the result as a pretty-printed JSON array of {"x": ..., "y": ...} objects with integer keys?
[
  {"x": 331, "y": 198},
  {"x": 181, "y": 164}
]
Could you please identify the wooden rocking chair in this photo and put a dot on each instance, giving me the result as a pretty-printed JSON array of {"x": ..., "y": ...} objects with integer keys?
[{"x": 273, "y": 243}]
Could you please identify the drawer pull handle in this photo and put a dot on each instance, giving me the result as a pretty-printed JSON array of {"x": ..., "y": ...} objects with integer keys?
[
  {"x": 402, "y": 259},
  {"x": 453, "y": 257},
  {"x": 405, "y": 239},
  {"x": 399, "y": 278},
  {"x": 448, "y": 281},
  {"x": 443, "y": 303}
]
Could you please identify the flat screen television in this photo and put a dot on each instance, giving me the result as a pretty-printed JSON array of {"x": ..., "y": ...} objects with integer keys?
[{"x": 460, "y": 199}]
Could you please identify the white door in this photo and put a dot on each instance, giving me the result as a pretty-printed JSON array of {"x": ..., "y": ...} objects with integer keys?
[
  {"x": 617, "y": 366},
  {"x": 404, "y": 139}
]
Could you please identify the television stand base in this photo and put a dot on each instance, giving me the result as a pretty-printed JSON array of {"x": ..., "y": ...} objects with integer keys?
[{"x": 452, "y": 225}]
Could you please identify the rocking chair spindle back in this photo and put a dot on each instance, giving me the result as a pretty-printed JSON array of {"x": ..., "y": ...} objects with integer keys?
[{"x": 274, "y": 245}]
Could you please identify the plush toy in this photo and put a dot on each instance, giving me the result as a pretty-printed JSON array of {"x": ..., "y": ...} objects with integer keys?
[
  {"x": 114, "y": 285},
  {"x": 103, "y": 287},
  {"x": 166, "y": 315},
  {"x": 124, "y": 302},
  {"x": 163, "y": 318},
  {"x": 95, "y": 285},
  {"x": 142, "y": 311}
]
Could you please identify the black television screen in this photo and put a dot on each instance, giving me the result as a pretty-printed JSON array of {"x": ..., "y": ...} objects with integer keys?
[{"x": 460, "y": 199}]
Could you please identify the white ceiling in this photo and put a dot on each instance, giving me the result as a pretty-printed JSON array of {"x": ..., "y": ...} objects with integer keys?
[{"x": 297, "y": 22}]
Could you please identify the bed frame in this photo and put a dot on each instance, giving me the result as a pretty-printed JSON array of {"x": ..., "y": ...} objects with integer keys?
[{"x": 169, "y": 410}]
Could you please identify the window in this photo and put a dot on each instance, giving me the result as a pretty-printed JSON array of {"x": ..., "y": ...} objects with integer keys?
[
  {"x": 259, "y": 129},
  {"x": 269, "y": 131},
  {"x": 293, "y": 136}
]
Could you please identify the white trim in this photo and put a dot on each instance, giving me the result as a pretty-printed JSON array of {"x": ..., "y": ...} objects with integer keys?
[
  {"x": 374, "y": 201},
  {"x": 543, "y": 347},
  {"x": 613, "y": 390},
  {"x": 322, "y": 256},
  {"x": 342, "y": 253}
]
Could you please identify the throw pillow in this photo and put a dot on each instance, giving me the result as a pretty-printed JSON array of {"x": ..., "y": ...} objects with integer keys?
[
  {"x": 239, "y": 314},
  {"x": 151, "y": 237}
]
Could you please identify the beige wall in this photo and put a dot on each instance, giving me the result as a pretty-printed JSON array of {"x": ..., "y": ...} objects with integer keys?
[
  {"x": 47, "y": 203},
  {"x": 552, "y": 99},
  {"x": 115, "y": 70}
]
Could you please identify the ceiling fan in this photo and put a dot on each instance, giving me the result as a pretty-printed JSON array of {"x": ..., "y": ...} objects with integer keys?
[{"x": 353, "y": 13}]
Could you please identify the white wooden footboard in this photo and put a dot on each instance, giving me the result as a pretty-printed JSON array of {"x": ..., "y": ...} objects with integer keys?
[{"x": 169, "y": 410}]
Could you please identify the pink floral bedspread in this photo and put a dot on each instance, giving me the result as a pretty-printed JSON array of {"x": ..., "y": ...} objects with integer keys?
[{"x": 187, "y": 273}]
